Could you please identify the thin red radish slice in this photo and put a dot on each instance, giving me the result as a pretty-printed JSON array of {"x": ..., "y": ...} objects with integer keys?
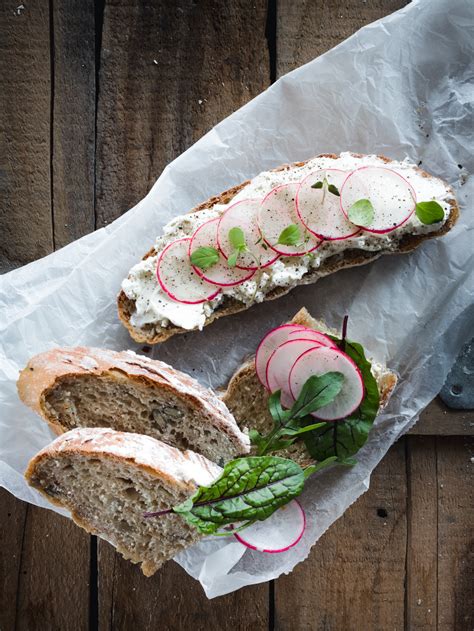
[
  {"x": 317, "y": 361},
  {"x": 311, "y": 334},
  {"x": 319, "y": 209},
  {"x": 277, "y": 212},
  {"x": 270, "y": 342},
  {"x": 243, "y": 215},
  {"x": 278, "y": 533},
  {"x": 280, "y": 363},
  {"x": 391, "y": 195},
  {"x": 220, "y": 273},
  {"x": 177, "y": 277}
]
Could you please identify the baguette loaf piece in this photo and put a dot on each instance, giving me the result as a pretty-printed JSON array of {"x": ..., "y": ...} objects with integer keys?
[
  {"x": 109, "y": 479},
  {"x": 247, "y": 399},
  {"x": 90, "y": 387},
  {"x": 156, "y": 331}
]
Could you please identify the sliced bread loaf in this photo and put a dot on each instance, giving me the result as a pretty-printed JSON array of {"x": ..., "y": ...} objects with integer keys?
[
  {"x": 90, "y": 387},
  {"x": 247, "y": 399},
  {"x": 109, "y": 479}
]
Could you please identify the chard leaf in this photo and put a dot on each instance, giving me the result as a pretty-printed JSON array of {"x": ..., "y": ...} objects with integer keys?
[
  {"x": 279, "y": 415},
  {"x": 361, "y": 212},
  {"x": 204, "y": 257},
  {"x": 429, "y": 212},
  {"x": 291, "y": 235},
  {"x": 248, "y": 489},
  {"x": 317, "y": 392}
]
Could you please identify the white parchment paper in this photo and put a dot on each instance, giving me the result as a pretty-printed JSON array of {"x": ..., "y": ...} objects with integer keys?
[{"x": 402, "y": 86}]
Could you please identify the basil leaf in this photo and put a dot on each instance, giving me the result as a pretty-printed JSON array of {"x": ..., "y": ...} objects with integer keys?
[
  {"x": 317, "y": 392},
  {"x": 250, "y": 488},
  {"x": 232, "y": 260},
  {"x": 237, "y": 238},
  {"x": 429, "y": 212},
  {"x": 204, "y": 257},
  {"x": 317, "y": 185},
  {"x": 361, "y": 212},
  {"x": 291, "y": 235},
  {"x": 334, "y": 190}
]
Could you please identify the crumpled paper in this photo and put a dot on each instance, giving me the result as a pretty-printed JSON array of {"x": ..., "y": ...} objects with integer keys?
[{"x": 402, "y": 86}]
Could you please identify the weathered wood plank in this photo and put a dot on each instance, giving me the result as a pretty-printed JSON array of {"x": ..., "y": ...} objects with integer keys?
[
  {"x": 306, "y": 29},
  {"x": 354, "y": 576},
  {"x": 455, "y": 533},
  {"x": 53, "y": 586},
  {"x": 175, "y": 71},
  {"x": 25, "y": 187},
  {"x": 73, "y": 119},
  {"x": 172, "y": 600},
  {"x": 439, "y": 420},
  {"x": 422, "y": 545}
]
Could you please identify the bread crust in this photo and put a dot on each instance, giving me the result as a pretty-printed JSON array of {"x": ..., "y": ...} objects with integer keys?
[
  {"x": 154, "y": 333},
  {"x": 46, "y": 371}
]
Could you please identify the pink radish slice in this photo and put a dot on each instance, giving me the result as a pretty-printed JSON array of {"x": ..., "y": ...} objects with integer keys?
[
  {"x": 220, "y": 273},
  {"x": 278, "y": 533},
  {"x": 270, "y": 342},
  {"x": 391, "y": 195},
  {"x": 243, "y": 215},
  {"x": 311, "y": 334},
  {"x": 317, "y": 361},
  {"x": 320, "y": 210},
  {"x": 277, "y": 212},
  {"x": 177, "y": 277},
  {"x": 280, "y": 364}
]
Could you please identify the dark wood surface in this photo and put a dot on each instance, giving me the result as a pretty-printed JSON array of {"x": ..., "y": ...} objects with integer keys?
[{"x": 96, "y": 99}]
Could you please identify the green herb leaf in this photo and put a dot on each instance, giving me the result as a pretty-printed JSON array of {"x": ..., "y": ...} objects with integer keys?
[
  {"x": 237, "y": 238},
  {"x": 317, "y": 185},
  {"x": 232, "y": 260},
  {"x": 279, "y": 415},
  {"x": 248, "y": 489},
  {"x": 317, "y": 392},
  {"x": 204, "y": 257},
  {"x": 334, "y": 190},
  {"x": 429, "y": 212},
  {"x": 361, "y": 212},
  {"x": 291, "y": 235}
]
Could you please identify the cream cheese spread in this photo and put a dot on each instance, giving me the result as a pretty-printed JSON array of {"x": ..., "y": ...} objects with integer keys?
[{"x": 153, "y": 306}]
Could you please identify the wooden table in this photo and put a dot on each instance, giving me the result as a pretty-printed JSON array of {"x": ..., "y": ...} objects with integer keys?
[{"x": 96, "y": 100}]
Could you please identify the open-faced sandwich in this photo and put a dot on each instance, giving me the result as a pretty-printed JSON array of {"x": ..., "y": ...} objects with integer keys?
[{"x": 286, "y": 227}]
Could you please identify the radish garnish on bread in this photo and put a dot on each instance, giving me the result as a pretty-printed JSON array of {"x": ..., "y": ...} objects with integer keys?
[{"x": 286, "y": 227}]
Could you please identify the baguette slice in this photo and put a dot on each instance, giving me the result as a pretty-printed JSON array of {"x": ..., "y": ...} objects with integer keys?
[
  {"x": 109, "y": 479},
  {"x": 90, "y": 387},
  {"x": 247, "y": 399},
  {"x": 154, "y": 333}
]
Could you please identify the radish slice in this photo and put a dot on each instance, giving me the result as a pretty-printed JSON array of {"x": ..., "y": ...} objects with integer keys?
[
  {"x": 391, "y": 195},
  {"x": 311, "y": 334},
  {"x": 280, "y": 364},
  {"x": 320, "y": 210},
  {"x": 270, "y": 342},
  {"x": 278, "y": 533},
  {"x": 243, "y": 215},
  {"x": 277, "y": 212},
  {"x": 220, "y": 273},
  {"x": 317, "y": 361},
  {"x": 177, "y": 277}
]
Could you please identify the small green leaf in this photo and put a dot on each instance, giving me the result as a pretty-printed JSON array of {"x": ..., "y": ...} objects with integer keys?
[
  {"x": 334, "y": 190},
  {"x": 204, "y": 257},
  {"x": 291, "y": 235},
  {"x": 429, "y": 212},
  {"x": 232, "y": 260},
  {"x": 237, "y": 238},
  {"x": 317, "y": 392},
  {"x": 361, "y": 212},
  {"x": 290, "y": 431},
  {"x": 274, "y": 407},
  {"x": 317, "y": 185}
]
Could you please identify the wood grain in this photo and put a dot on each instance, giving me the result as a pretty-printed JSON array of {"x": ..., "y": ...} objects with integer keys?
[
  {"x": 439, "y": 420},
  {"x": 25, "y": 187},
  {"x": 175, "y": 71},
  {"x": 354, "y": 576}
]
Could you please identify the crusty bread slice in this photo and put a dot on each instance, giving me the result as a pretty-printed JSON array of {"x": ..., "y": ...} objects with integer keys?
[
  {"x": 109, "y": 479},
  {"x": 90, "y": 387},
  {"x": 154, "y": 333},
  {"x": 247, "y": 399}
]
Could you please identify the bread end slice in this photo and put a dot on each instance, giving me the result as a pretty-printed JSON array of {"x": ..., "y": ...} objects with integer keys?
[{"x": 109, "y": 479}]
